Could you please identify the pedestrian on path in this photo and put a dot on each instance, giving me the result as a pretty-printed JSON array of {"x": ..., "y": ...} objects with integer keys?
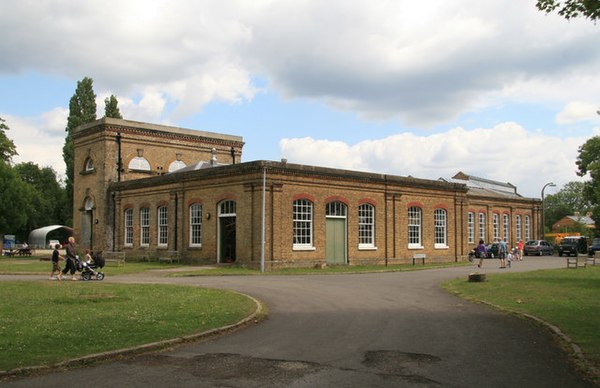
[
  {"x": 56, "y": 257},
  {"x": 71, "y": 259}
]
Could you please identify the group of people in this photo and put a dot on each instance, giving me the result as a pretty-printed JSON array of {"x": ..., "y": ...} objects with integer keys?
[
  {"x": 70, "y": 260},
  {"x": 505, "y": 255}
]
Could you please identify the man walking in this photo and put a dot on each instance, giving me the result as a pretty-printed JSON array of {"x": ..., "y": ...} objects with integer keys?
[{"x": 502, "y": 252}]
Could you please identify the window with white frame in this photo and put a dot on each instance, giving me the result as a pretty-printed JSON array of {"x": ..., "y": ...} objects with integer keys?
[
  {"x": 440, "y": 219},
  {"x": 527, "y": 228},
  {"x": 128, "y": 220},
  {"x": 482, "y": 226},
  {"x": 496, "y": 225},
  {"x": 505, "y": 228},
  {"x": 163, "y": 226},
  {"x": 414, "y": 227},
  {"x": 336, "y": 209},
  {"x": 227, "y": 209},
  {"x": 89, "y": 164},
  {"x": 471, "y": 227},
  {"x": 144, "y": 226},
  {"x": 302, "y": 224},
  {"x": 366, "y": 226},
  {"x": 196, "y": 225},
  {"x": 518, "y": 228}
]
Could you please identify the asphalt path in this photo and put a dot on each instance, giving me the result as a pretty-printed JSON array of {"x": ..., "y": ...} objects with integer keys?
[{"x": 353, "y": 330}]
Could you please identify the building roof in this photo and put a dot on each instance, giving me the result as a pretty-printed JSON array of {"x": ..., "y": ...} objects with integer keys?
[
  {"x": 586, "y": 220},
  {"x": 484, "y": 186}
]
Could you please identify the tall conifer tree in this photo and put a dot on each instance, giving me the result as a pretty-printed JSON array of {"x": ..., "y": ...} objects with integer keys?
[
  {"x": 111, "y": 107},
  {"x": 82, "y": 110}
]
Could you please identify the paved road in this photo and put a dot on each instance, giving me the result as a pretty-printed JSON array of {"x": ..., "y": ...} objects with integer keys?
[{"x": 362, "y": 330}]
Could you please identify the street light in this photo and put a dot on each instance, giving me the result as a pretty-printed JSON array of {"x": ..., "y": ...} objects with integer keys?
[{"x": 549, "y": 184}]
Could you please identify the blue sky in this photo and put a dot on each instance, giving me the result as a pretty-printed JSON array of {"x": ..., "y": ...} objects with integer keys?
[{"x": 403, "y": 88}]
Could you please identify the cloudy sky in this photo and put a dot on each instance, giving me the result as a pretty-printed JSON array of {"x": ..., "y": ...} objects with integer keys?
[{"x": 492, "y": 88}]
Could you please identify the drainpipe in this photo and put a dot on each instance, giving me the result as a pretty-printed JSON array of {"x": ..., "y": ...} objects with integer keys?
[
  {"x": 233, "y": 155},
  {"x": 119, "y": 160}
]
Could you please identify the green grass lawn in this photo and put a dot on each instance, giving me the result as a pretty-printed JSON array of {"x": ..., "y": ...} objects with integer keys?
[
  {"x": 33, "y": 265},
  {"x": 42, "y": 323},
  {"x": 567, "y": 298}
]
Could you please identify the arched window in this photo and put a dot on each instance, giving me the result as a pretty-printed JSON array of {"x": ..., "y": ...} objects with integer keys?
[
  {"x": 128, "y": 226},
  {"x": 505, "y": 228},
  {"x": 414, "y": 228},
  {"x": 89, "y": 165},
  {"x": 163, "y": 226},
  {"x": 440, "y": 220},
  {"x": 302, "y": 224},
  {"x": 471, "y": 227},
  {"x": 518, "y": 228},
  {"x": 227, "y": 209},
  {"x": 482, "y": 226},
  {"x": 196, "y": 225},
  {"x": 366, "y": 226},
  {"x": 496, "y": 224},
  {"x": 336, "y": 209},
  {"x": 176, "y": 165},
  {"x": 527, "y": 228},
  {"x": 144, "y": 226},
  {"x": 139, "y": 163}
]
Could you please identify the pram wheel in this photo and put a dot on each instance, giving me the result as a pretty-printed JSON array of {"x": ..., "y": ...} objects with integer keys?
[
  {"x": 85, "y": 276},
  {"x": 100, "y": 276}
]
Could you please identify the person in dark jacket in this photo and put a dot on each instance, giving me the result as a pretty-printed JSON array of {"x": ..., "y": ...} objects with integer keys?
[{"x": 71, "y": 258}]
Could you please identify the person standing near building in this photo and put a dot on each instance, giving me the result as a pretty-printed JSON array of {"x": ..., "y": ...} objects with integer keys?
[
  {"x": 70, "y": 259},
  {"x": 520, "y": 248},
  {"x": 502, "y": 252},
  {"x": 481, "y": 252}
]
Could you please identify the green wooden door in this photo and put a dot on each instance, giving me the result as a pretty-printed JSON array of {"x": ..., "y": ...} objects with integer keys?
[{"x": 336, "y": 240}]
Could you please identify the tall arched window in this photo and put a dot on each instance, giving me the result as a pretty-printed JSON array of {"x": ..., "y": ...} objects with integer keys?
[
  {"x": 196, "y": 225},
  {"x": 471, "y": 227},
  {"x": 518, "y": 228},
  {"x": 144, "y": 226},
  {"x": 128, "y": 227},
  {"x": 440, "y": 220},
  {"x": 482, "y": 226},
  {"x": 302, "y": 224},
  {"x": 414, "y": 227},
  {"x": 366, "y": 226},
  {"x": 527, "y": 228},
  {"x": 496, "y": 224},
  {"x": 163, "y": 226},
  {"x": 506, "y": 228}
]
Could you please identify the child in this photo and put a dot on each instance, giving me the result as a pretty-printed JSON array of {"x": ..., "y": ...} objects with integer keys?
[
  {"x": 55, "y": 267},
  {"x": 88, "y": 257}
]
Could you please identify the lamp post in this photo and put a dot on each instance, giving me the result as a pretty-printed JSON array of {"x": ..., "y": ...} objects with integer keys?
[{"x": 549, "y": 184}]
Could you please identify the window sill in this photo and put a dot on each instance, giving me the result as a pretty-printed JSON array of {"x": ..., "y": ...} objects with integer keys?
[
  {"x": 367, "y": 248},
  {"x": 415, "y": 246},
  {"x": 303, "y": 248},
  {"x": 441, "y": 246}
]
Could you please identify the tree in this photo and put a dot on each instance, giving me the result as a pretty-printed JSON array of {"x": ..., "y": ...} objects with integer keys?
[
  {"x": 14, "y": 200},
  {"x": 572, "y": 8},
  {"x": 82, "y": 110},
  {"x": 588, "y": 163},
  {"x": 111, "y": 107},
  {"x": 566, "y": 202},
  {"x": 7, "y": 147},
  {"x": 48, "y": 198}
]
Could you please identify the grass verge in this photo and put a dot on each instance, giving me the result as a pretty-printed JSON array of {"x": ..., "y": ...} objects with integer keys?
[
  {"x": 566, "y": 298},
  {"x": 43, "y": 323}
]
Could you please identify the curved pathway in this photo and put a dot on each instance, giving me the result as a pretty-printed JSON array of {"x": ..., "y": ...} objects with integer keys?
[{"x": 360, "y": 330}]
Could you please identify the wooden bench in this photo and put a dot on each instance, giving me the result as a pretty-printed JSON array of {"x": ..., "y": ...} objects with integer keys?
[
  {"x": 114, "y": 257},
  {"x": 419, "y": 256},
  {"x": 168, "y": 257}
]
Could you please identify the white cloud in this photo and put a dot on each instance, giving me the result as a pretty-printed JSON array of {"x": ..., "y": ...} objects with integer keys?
[
  {"x": 506, "y": 152},
  {"x": 579, "y": 111},
  {"x": 39, "y": 139},
  {"x": 422, "y": 63}
]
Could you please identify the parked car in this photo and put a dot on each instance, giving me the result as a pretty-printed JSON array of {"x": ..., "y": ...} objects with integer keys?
[
  {"x": 538, "y": 247},
  {"x": 492, "y": 250},
  {"x": 595, "y": 247},
  {"x": 572, "y": 245}
]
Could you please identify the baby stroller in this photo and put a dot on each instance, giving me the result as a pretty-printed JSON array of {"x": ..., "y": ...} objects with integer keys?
[{"x": 91, "y": 269}]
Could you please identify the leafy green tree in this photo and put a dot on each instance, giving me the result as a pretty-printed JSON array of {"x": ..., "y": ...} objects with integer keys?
[
  {"x": 48, "y": 198},
  {"x": 14, "y": 200},
  {"x": 571, "y": 8},
  {"x": 111, "y": 107},
  {"x": 568, "y": 201},
  {"x": 82, "y": 110},
  {"x": 7, "y": 147},
  {"x": 588, "y": 164}
]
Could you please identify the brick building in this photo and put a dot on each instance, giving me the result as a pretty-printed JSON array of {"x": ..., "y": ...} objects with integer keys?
[{"x": 151, "y": 190}]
